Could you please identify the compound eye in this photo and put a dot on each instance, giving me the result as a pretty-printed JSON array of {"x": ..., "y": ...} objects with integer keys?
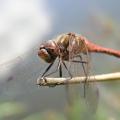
[
  {"x": 51, "y": 50},
  {"x": 52, "y": 47}
]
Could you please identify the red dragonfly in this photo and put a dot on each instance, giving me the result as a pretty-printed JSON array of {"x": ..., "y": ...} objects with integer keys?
[
  {"x": 76, "y": 50},
  {"x": 72, "y": 50}
]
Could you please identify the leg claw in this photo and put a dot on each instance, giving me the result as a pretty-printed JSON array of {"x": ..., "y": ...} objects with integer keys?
[
  {"x": 51, "y": 86},
  {"x": 41, "y": 81}
]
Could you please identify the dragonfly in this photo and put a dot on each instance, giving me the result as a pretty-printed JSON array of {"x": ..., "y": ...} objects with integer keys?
[
  {"x": 68, "y": 56},
  {"x": 76, "y": 50}
]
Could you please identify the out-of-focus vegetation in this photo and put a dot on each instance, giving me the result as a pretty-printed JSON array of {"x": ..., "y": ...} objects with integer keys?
[{"x": 9, "y": 109}]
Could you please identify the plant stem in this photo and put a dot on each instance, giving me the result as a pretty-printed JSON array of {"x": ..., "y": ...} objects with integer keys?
[{"x": 76, "y": 80}]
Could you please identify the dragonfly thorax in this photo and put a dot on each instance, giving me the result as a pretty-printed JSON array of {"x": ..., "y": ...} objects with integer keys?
[{"x": 70, "y": 43}]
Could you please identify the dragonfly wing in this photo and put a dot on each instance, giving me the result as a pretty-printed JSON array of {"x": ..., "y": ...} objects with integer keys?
[
  {"x": 92, "y": 95},
  {"x": 88, "y": 90},
  {"x": 20, "y": 74},
  {"x": 74, "y": 91},
  {"x": 91, "y": 90}
]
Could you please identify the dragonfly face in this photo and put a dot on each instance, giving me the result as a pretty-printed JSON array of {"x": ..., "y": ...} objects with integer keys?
[{"x": 48, "y": 51}]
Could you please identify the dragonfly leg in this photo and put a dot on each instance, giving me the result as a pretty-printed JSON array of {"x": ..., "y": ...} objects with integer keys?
[
  {"x": 58, "y": 68},
  {"x": 47, "y": 69},
  {"x": 65, "y": 81},
  {"x": 41, "y": 79},
  {"x": 60, "y": 72},
  {"x": 79, "y": 61},
  {"x": 82, "y": 62},
  {"x": 85, "y": 75}
]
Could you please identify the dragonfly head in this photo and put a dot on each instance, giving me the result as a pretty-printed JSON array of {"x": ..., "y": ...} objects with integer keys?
[{"x": 48, "y": 51}]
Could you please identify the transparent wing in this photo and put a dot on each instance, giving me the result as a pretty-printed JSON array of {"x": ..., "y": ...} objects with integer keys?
[
  {"x": 91, "y": 90},
  {"x": 88, "y": 90},
  {"x": 20, "y": 74},
  {"x": 75, "y": 91}
]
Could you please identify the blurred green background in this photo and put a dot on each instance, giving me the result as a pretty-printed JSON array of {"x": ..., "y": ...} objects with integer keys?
[{"x": 26, "y": 23}]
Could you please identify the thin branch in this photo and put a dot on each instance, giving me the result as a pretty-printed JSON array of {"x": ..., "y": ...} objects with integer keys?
[{"x": 76, "y": 80}]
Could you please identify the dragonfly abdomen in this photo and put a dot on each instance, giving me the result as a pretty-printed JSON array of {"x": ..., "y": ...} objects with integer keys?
[{"x": 94, "y": 48}]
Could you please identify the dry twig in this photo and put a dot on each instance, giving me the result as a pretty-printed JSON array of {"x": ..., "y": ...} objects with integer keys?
[{"x": 76, "y": 80}]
